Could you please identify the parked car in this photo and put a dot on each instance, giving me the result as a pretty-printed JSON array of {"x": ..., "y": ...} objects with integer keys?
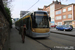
[
  {"x": 64, "y": 27},
  {"x": 53, "y": 26}
]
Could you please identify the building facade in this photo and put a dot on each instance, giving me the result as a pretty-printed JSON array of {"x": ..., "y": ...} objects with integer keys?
[
  {"x": 51, "y": 10},
  {"x": 65, "y": 15},
  {"x": 23, "y": 13},
  {"x": 58, "y": 17},
  {"x": 61, "y": 14}
]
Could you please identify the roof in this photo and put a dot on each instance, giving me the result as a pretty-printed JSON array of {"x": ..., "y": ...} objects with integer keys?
[
  {"x": 54, "y": 2},
  {"x": 40, "y": 9},
  {"x": 64, "y": 6},
  {"x": 45, "y": 6}
]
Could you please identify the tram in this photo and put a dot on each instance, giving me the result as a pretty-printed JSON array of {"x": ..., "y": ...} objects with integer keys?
[{"x": 37, "y": 23}]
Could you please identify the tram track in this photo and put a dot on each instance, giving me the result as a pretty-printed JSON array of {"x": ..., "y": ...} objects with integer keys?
[
  {"x": 51, "y": 48},
  {"x": 44, "y": 45},
  {"x": 40, "y": 43},
  {"x": 51, "y": 41},
  {"x": 50, "y": 44}
]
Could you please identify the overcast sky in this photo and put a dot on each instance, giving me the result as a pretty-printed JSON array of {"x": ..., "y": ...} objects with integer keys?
[{"x": 24, "y": 5}]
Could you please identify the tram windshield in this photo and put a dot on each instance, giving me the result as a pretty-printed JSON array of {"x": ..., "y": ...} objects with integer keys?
[{"x": 40, "y": 20}]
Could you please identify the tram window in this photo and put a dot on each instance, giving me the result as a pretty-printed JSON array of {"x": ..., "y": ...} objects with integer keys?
[
  {"x": 28, "y": 25},
  {"x": 32, "y": 16},
  {"x": 24, "y": 21},
  {"x": 49, "y": 18}
]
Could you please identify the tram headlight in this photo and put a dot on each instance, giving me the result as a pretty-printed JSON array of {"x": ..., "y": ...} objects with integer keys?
[{"x": 33, "y": 30}]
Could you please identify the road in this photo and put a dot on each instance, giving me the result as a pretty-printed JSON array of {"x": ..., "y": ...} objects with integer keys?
[
  {"x": 63, "y": 39},
  {"x": 58, "y": 40},
  {"x": 54, "y": 42}
]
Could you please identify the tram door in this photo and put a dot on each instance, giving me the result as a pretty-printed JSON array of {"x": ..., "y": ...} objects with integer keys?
[{"x": 28, "y": 25}]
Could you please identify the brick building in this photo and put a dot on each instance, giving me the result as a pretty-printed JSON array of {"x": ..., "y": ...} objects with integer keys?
[
  {"x": 51, "y": 10},
  {"x": 40, "y": 9},
  {"x": 65, "y": 15},
  {"x": 45, "y": 8}
]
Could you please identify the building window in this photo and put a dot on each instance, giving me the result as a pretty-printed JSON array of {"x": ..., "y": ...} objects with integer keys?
[
  {"x": 64, "y": 10},
  {"x": 58, "y": 17},
  {"x": 58, "y": 12},
  {"x": 48, "y": 9},
  {"x": 64, "y": 16},
  {"x": 70, "y": 8},
  {"x": 70, "y": 16}
]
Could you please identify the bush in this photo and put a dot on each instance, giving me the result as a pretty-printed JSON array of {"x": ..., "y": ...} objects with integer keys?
[{"x": 9, "y": 15}]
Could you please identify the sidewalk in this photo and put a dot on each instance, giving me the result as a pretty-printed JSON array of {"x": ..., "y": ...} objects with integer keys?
[
  {"x": 16, "y": 42},
  {"x": 69, "y": 33}
]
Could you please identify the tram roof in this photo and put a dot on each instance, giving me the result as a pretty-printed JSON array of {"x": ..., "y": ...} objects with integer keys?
[
  {"x": 32, "y": 12},
  {"x": 40, "y": 11}
]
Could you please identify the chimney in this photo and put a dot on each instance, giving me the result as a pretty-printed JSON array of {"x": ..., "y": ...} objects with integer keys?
[
  {"x": 59, "y": 2},
  {"x": 53, "y": 1}
]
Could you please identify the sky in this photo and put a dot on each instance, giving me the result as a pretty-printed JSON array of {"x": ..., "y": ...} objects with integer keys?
[{"x": 24, "y": 5}]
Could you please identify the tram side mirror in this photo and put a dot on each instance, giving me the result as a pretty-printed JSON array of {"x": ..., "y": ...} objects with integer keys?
[
  {"x": 31, "y": 14},
  {"x": 49, "y": 18}
]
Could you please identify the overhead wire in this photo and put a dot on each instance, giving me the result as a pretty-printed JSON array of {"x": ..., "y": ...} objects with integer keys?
[{"x": 32, "y": 5}]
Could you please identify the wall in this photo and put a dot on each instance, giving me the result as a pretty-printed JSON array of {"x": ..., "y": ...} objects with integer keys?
[
  {"x": 74, "y": 12},
  {"x": 58, "y": 6},
  {"x": 60, "y": 20},
  {"x": 4, "y": 26},
  {"x": 67, "y": 12},
  {"x": 52, "y": 10},
  {"x": 4, "y": 30}
]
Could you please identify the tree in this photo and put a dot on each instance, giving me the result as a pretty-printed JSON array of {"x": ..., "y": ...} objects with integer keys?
[
  {"x": 7, "y": 9},
  {"x": 9, "y": 15}
]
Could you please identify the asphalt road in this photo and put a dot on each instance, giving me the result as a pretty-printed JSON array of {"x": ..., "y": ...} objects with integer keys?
[{"x": 62, "y": 41}]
